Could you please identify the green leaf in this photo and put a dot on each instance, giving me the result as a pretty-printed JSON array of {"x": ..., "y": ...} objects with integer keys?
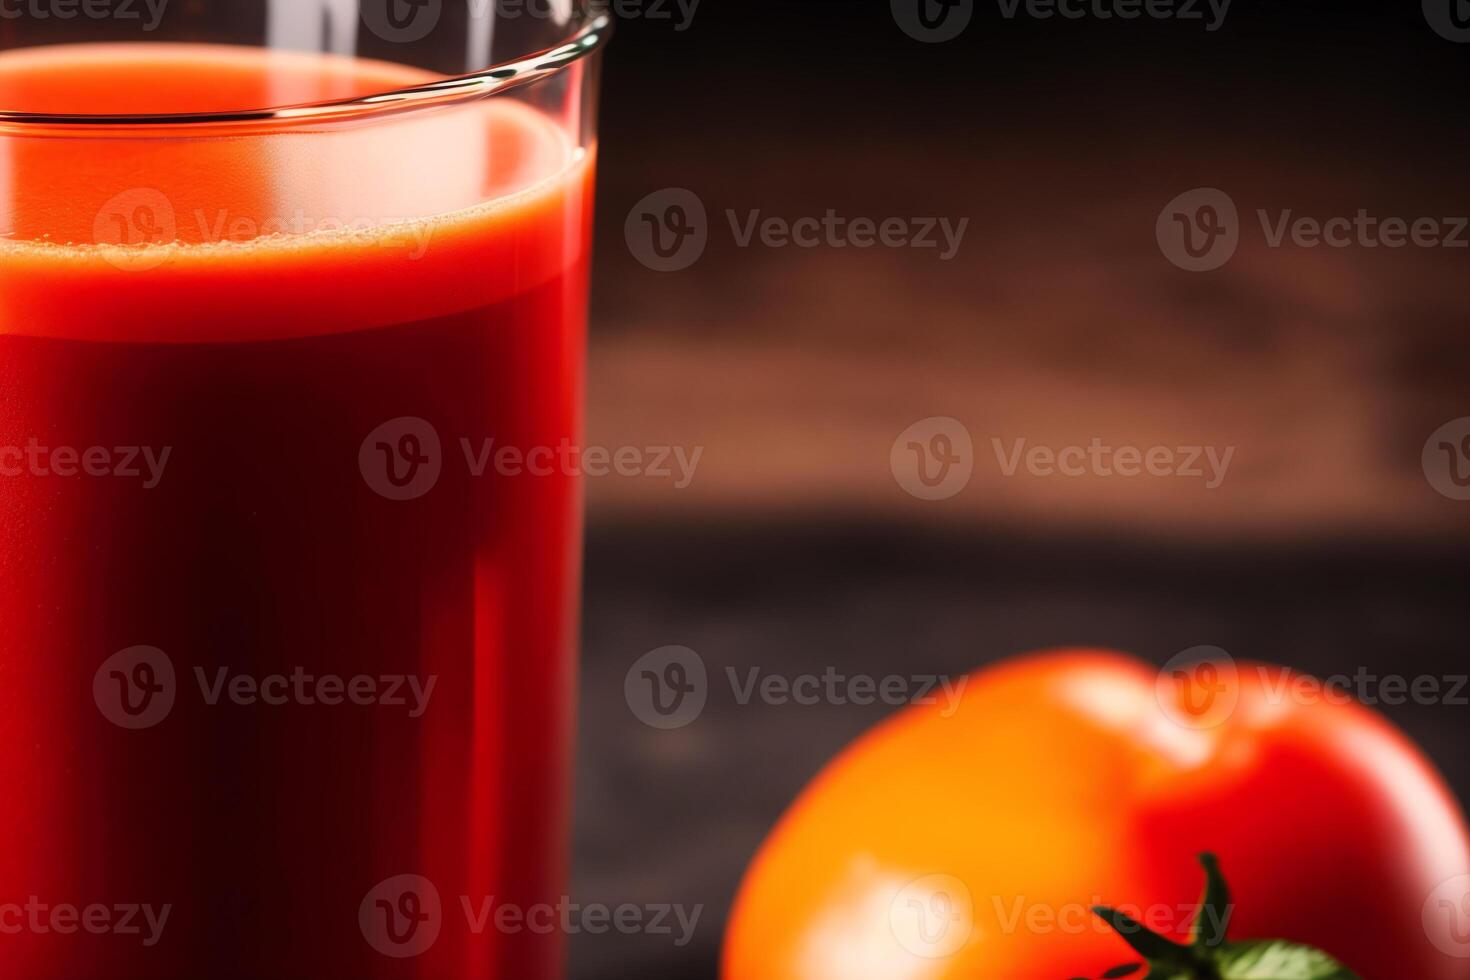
[
  {"x": 1274, "y": 959},
  {"x": 1209, "y": 956},
  {"x": 1153, "y": 947},
  {"x": 1213, "y": 919}
]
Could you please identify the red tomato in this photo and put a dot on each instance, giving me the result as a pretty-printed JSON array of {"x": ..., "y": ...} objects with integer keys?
[{"x": 971, "y": 841}]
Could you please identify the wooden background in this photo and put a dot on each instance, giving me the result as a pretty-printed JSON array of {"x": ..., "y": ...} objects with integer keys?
[{"x": 794, "y": 548}]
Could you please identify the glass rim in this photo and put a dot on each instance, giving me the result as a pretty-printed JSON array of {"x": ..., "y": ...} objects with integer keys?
[{"x": 498, "y": 78}]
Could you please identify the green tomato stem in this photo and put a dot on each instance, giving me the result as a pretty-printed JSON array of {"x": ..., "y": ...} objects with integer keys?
[{"x": 1209, "y": 956}]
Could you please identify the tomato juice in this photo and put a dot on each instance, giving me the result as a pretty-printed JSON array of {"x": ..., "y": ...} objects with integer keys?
[{"x": 269, "y": 642}]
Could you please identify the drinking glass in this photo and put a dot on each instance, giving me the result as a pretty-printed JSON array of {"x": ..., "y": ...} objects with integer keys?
[{"x": 292, "y": 330}]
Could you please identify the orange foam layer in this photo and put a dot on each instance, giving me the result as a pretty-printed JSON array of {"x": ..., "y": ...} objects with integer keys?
[{"x": 250, "y": 235}]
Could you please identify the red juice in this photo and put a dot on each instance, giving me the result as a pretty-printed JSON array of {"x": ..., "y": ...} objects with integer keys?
[{"x": 275, "y": 631}]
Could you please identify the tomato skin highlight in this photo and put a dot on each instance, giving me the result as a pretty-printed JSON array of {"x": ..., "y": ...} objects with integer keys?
[{"x": 1074, "y": 778}]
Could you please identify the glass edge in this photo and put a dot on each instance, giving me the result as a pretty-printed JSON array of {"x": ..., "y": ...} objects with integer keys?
[{"x": 588, "y": 39}]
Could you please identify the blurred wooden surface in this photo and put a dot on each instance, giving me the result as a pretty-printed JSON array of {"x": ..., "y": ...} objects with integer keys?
[
  {"x": 1059, "y": 321},
  {"x": 674, "y": 816}
]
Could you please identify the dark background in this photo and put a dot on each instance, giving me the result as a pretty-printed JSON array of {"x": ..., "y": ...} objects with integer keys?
[{"x": 795, "y": 549}]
